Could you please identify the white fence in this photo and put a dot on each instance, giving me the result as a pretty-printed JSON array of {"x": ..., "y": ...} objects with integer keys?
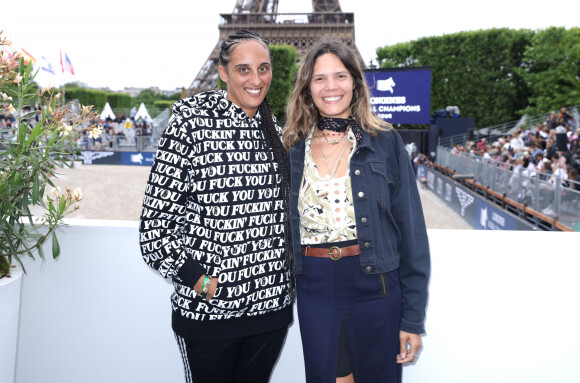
[{"x": 504, "y": 307}]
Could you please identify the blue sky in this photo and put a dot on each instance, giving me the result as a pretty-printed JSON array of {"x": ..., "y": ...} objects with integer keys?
[{"x": 116, "y": 44}]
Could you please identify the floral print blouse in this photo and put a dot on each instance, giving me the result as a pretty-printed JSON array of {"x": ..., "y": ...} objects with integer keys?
[{"x": 325, "y": 204}]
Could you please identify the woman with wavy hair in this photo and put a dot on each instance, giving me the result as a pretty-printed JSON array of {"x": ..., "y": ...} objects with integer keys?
[{"x": 361, "y": 254}]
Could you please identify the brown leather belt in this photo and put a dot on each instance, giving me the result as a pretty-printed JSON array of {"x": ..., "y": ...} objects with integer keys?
[{"x": 334, "y": 253}]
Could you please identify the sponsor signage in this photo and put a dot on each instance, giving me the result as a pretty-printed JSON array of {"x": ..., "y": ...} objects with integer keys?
[
  {"x": 137, "y": 158},
  {"x": 475, "y": 210},
  {"x": 492, "y": 218},
  {"x": 100, "y": 158},
  {"x": 401, "y": 96},
  {"x": 117, "y": 158}
]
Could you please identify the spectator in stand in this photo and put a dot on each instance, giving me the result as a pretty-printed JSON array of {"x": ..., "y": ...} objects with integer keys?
[
  {"x": 481, "y": 143},
  {"x": 550, "y": 148},
  {"x": 551, "y": 122},
  {"x": 565, "y": 117},
  {"x": 539, "y": 161},
  {"x": 573, "y": 176},
  {"x": 528, "y": 138},
  {"x": 575, "y": 147},
  {"x": 514, "y": 182},
  {"x": 485, "y": 152},
  {"x": 542, "y": 132},
  {"x": 139, "y": 130},
  {"x": 516, "y": 142},
  {"x": 83, "y": 140},
  {"x": 560, "y": 171},
  {"x": 495, "y": 155},
  {"x": 120, "y": 119},
  {"x": 505, "y": 160},
  {"x": 529, "y": 169},
  {"x": 107, "y": 137}
]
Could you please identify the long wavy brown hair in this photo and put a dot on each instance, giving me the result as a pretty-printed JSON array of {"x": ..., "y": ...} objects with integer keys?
[{"x": 301, "y": 113}]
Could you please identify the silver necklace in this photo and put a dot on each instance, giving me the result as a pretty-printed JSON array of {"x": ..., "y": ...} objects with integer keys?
[{"x": 330, "y": 174}]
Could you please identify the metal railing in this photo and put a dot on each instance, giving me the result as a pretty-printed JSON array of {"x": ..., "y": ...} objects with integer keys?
[
  {"x": 492, "y": 133},
  {"x": 119, "y": 143},
  {"x": 287, "y": 19},
  {"x": 542, "y": 192},
  {"x": 126, "y": 139}
]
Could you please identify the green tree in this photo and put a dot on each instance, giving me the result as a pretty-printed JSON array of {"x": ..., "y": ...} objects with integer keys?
[
  {"x": 551, "y": 69},
  {"x": 476, "y": 71},
  {"x": 149, "y": 97},
  {"x": 119, "y": 100},
  {"x": 86, "y": 96},
  {"x": 162, "y": 104},
  {"x": 146, "y": 96},
  {"x": 283, "y": 69}
]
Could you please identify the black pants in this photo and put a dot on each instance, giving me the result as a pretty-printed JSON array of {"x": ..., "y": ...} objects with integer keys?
[{"x": 239, "y": 360}]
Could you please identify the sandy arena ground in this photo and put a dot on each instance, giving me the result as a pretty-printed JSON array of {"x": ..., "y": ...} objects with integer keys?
[{"x": 116, "y": 193}]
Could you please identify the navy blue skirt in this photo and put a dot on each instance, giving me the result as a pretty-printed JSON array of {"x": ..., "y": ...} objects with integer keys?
[{"x": 334, "y": 294}]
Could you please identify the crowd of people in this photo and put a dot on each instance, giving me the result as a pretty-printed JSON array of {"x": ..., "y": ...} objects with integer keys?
[
  {"x": 552, "y": 149},
  {"x": 117, "y": 132},
  {"x": 549, "y": 153}
]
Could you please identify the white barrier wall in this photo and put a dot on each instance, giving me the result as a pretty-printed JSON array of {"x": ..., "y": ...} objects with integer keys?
[{"x": 504, "y": 307}]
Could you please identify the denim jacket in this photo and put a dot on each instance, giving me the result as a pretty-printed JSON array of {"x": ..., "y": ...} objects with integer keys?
[{"x": 389, "y": 218}]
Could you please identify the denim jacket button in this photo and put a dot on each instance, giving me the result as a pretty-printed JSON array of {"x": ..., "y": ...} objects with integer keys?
[
  {"x": 357, "y": 172},
  {"x": 367, "y": 244},
  {"x": 363, "y": 219},
  {"x": 368, "y": 269},
  {"x": 361, "y": 194}
]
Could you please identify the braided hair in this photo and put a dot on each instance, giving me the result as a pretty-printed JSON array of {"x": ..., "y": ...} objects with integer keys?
[{"x": 273, "y": 142}]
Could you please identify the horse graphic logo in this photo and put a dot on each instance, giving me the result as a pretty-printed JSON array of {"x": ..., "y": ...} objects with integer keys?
[
  {"x": 386, "y": 85},
  {"x": 483, "y": 217},
  {"x": 137, "y": 158}
]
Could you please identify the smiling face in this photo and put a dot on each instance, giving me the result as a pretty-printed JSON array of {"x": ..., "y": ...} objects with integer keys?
[
  {"x": 331, "y": 86},
  {"x": 248, "y": 75}
]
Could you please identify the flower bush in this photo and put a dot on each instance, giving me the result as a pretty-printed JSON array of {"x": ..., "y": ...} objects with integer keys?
[{"x": 41, "y": 138}]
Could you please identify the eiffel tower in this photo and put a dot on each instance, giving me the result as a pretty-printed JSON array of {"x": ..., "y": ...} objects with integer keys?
[{"x": 298, "y": 29}]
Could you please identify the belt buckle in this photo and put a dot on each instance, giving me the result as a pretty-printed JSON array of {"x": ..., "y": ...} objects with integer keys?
[{"x": 339, "y": 253}]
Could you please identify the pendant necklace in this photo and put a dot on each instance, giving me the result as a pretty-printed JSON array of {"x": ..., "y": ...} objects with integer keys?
[
  {"x": 334, "y": 142},
  {"x": 330, "y": 174}
]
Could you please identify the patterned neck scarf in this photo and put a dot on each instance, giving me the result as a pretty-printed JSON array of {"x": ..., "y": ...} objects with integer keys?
[{"x": 340, "y": 125}]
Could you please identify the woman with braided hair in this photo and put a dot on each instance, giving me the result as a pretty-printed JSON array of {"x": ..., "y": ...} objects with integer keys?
[
  {"x": 360, "y": 246},
  {"x": 214, "y": 219}
]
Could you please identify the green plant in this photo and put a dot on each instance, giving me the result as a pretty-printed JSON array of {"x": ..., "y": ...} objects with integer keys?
[
  {"x": 283, "y": 69},
  {"x": 86, "y": 96},
  {"x": 41, "y": 138},
  {"x": 551, "y": 69}
]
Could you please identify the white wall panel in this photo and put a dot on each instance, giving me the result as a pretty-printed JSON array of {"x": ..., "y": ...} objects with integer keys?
[{"x": 504, "y": 307}]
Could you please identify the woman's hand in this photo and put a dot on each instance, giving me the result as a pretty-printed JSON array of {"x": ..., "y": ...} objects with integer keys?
[
  {"x": 410, "y": 345},
  {"x": 212, "y": 287}
]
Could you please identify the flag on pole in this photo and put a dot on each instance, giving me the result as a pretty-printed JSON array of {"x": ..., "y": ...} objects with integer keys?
[
  {"x": 47, "y": 66},
  {"x": 66, "y": 65},
  {"x": 27, "y": 57}
]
